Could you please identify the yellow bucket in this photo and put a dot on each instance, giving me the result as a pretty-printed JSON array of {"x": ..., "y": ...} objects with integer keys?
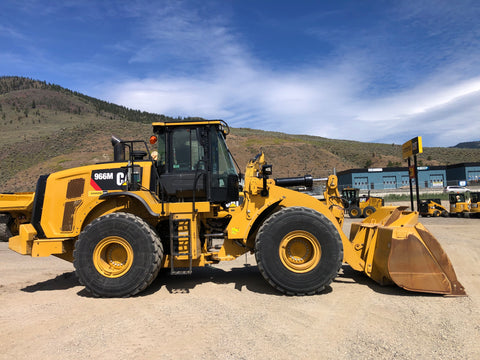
[{"x": 395, "y": 248}]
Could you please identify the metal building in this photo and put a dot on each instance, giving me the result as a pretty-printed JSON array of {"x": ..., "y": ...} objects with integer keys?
[
  {"x": 463, "y": 174},
  {"x": 392, "y": 178}
]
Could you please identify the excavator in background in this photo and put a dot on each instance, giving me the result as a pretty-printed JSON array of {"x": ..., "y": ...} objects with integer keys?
[
  {"x": 360, "y": 206},
  {"x": 185, "y": 205},
  {"x": 432, "y": 207}
]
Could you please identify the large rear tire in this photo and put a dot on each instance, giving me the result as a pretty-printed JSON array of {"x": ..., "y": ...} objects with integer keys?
[
  {"x": 298, "y": 251},
  {"x": 117, "y": 255}
]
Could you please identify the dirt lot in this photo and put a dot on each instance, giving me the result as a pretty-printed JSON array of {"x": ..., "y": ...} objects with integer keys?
[{"x": 230, "y": 312}]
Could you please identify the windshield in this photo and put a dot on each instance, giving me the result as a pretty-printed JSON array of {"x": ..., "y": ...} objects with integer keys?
[
  {"x": 225, "y": 161},
  {"x": 475, "y": 197},
  {"x": 455, "y": 198}
]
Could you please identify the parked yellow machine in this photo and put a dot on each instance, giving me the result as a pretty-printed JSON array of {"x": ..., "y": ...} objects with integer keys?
[
  {"x": 459, "y": 203},
  {"x": 475, "y": 203},
  {"x": 15, "y": 209},
  {"x": 361, "y": 206},
  {"x": 186, "y": 207},
  {"x": 432, "y": 207}
]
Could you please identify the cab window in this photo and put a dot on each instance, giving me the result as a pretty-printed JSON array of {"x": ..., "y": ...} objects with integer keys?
[{"x": 187, "y": 152}]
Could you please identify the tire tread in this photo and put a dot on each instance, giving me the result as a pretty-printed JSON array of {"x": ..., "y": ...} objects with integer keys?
[
  {"x": 260, "y": 238},
  {"x": 155, "y": 242}
]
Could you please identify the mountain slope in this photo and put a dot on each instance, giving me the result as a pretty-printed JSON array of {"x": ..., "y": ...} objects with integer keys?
[
  {"x": 468, "y": 145},
  {"x": 46, "y": 128}
]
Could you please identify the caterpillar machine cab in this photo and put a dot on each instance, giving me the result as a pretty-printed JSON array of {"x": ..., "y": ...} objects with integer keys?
[
  {"x": 185, "y": 205},
  {"x": 475, "y": 204},
  {"x": 459, "y": 203}
]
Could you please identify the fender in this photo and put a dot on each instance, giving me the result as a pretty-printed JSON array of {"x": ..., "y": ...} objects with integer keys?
[{"x": 133, "y": 195}]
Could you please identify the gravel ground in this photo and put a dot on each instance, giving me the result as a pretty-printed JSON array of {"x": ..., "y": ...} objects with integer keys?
[{"x": 230, "y": 312}]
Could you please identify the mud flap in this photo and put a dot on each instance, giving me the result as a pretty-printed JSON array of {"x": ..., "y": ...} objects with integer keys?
[{"x": 397, "y": 249}]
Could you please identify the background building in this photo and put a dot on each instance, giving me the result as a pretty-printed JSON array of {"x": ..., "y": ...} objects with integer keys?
[
  {"x": 463, "y": 174},
  {"x": 397, "y": 177}
]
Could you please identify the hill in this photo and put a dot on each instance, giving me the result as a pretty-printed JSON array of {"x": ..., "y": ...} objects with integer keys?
[
  {"x": 46, "y": 128},
  {"x": 468, "y": 145}
]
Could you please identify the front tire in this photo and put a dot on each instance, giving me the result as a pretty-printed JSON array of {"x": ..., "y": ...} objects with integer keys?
[
  {"x": 117, "y": 255},
  {"x": 298, "y": 251},
  {"x": 369, "y": 210},
  {"x": 5, "y": 223},
  {"x": 354, "y": 212}
]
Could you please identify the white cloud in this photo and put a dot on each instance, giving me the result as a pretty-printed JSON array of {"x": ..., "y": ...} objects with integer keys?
[
  {"x": 331, "y": 101},
  {"x": 10, "y": 32},
  {"x": 312, "y": 103},
  {"x": 444, "y": 113}
]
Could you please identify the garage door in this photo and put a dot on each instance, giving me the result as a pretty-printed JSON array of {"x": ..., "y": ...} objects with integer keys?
[
  {"x": 436, "y": 180},
  {"x": 474, "y": 176},
  {"x": 360, "y": 182}
]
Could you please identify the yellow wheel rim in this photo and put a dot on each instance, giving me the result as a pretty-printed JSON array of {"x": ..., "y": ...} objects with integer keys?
[
  {"x": 300, "y": 251},
  {"x": 113, "y": 256},
  {"x": 354, "y": 212},
  {"x": 368, "y": 212}
]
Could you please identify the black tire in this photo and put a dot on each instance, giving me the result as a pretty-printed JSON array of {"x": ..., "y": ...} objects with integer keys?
[
  {"x": 354, "y": 212},
  {"x": 5, "y": 222},
  {"x": 117, "y": 255},
  {"x": 318, "y": 247},
  {"x": 444, "y": 213},
  {"x": 436, "y": 213},
  {"x": 3, "y": 232},
  {"x": 369, "y": 210}
]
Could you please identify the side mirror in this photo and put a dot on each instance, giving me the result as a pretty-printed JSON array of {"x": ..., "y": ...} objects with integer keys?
[{"x": 267, "y": 170}]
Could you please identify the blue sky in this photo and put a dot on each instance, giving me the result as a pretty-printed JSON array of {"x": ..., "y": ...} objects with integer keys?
[{"x": 380, "y": 71}]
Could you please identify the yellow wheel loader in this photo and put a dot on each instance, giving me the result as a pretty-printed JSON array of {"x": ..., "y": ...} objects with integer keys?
[
  {"x": 360, "y": 206},
  {"x": 185, "y": 205}
]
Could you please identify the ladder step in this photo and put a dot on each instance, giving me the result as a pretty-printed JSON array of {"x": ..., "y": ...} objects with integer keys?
[
  {"x": 180, "y": 245},
  {"x": 180, "y": 254}
]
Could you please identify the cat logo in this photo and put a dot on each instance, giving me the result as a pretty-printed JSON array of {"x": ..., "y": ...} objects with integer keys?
[{"x": 108, "y": 179}]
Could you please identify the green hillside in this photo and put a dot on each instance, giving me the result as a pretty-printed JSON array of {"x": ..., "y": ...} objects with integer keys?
[{"x": 46, "y": 128}]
